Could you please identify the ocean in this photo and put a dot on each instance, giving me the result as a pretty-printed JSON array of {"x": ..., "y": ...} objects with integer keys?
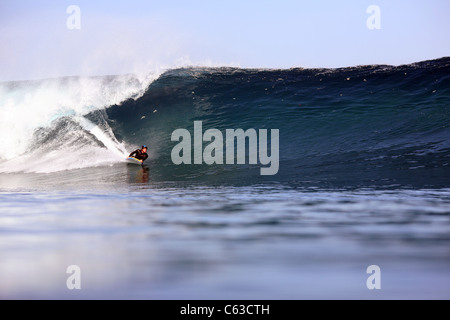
[{"x": 362, "y": 179}]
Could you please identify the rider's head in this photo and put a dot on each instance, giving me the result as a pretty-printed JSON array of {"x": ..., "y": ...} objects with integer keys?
[{"x": 144, "y": 148}]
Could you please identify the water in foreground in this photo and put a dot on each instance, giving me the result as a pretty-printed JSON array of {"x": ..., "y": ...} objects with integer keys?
[{"x": 135, "y": 238}]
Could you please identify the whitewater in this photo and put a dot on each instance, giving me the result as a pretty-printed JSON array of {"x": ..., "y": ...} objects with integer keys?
[{"x": 30, "y": 107}]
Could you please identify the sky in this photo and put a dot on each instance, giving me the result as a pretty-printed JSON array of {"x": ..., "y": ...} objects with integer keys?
[{"x": 138, "y": 36}]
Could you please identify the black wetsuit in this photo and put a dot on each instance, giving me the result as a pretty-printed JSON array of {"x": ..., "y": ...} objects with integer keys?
[{"x": 138, "y": 154}]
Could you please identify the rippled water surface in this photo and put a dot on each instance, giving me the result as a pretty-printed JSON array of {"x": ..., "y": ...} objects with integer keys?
[{"x": 180, "y": 241}]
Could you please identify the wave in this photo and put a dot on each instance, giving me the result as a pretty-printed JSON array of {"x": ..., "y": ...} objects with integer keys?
[{"x": 364, "y": 126}]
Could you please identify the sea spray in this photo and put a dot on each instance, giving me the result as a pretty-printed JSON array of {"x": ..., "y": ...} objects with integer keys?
[{"x": 27, "y": 106}]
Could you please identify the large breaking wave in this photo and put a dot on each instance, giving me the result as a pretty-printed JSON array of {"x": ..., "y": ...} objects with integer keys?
[{"x": 364, "y": 126}]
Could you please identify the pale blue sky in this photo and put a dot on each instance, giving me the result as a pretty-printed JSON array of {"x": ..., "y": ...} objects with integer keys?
[{"x": 138, "y": 36}]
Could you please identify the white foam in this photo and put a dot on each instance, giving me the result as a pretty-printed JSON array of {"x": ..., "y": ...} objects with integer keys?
[
  {"x": 106, "y": 136},
  {"x": 27, "y": 106}
]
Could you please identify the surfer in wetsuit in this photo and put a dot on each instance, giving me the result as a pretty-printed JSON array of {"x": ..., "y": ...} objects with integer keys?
[{"x": 140, "y": 154}]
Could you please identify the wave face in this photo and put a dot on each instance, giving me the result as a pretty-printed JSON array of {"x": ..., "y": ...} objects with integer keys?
[{"x": 363, "y": 126}]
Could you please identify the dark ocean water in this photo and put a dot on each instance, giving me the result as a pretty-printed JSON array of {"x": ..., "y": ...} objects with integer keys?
[
  {"x": 365, "y": 126},
  {"x": 364, "y": 179}
]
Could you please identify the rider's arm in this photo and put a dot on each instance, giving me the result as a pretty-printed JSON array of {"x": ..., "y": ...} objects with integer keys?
[{"x": 133, "y": 154}]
